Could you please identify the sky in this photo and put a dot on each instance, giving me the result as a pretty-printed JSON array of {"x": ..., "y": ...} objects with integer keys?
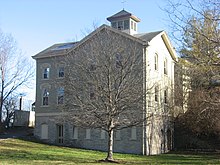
[{"x": 38, "y": 24}]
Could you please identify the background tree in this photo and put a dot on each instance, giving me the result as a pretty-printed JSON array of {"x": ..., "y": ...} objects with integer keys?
[
  {"x": 104, "y": 84},
  {"x": 15, "y": 70},
  {"x": 9, "y": 106},
  {"x": 196, "y": 27}
]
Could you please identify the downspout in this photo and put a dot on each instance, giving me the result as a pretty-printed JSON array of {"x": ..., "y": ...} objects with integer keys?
[{"x": 144, "y": 136}]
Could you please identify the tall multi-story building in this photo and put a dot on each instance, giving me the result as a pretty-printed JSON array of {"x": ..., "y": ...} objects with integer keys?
[{"x": 157, "y": 57}]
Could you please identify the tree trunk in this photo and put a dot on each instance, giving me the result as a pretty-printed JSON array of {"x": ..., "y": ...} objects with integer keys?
[
  {"x": 1, "y": 100},
  {"x": 110, "y": 146}
]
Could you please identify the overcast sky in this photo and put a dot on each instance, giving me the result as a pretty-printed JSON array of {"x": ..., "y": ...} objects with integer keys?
[{"x": 38, "y": 24}]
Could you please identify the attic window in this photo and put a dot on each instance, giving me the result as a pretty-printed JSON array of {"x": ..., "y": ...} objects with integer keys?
[
  {"x": 126, "y": 24},
  {"x": 132, "y": 25},
  {"x": 114, "y": 25},
  {"x": 135, "y": 26},
  {"x": 120, "y": 25}
]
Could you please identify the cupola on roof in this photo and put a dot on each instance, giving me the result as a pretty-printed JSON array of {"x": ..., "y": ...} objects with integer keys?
[
  {"x": 123, "y": 14},
  {"x": 124, "y": 21}
]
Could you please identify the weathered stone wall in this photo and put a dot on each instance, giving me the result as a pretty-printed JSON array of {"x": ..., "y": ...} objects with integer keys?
[{"x": 123, "y": 143}]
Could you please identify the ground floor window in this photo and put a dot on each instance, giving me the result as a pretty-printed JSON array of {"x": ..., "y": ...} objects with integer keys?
[
  {"x": 75, "y": 132},
  {"x": 103, "y": 132},
  {"x": 60, "y": 134},
  {"x": 44, "y": 131},
  {"x": 133, "y": 133},
  {"x": 88, "y": 133}
]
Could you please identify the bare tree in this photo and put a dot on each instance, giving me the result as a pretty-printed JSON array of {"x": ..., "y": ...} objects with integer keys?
[
  {"x": 15, "y": 70},
  {"x": 195, "y": 25},
  {"x": 181, "y": 15},
  {"x": 9, "y": 106},
  {"x": 104, "y": 84}
]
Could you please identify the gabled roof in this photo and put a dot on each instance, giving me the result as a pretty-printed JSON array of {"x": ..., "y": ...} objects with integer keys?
[
  {"x": 111, "y": 29},
  {"x": 123, "y": 14},
  {"x": 64, "y": 48},
  {"x": 144, "y": 39},
  {"x": 55, "y": 50},
  {"x": 147, "y": 36}
]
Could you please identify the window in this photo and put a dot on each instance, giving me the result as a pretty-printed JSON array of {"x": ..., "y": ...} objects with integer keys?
[
  {"x": 60, "y": 134},
  {"x": 75, "y": 132},
  {"x": 61, "y": 72},
  {"x": 165, "y": 96},
  {"x": 156, "y": 93},
  {"x": 92, "y": 66},
  {"x": 92, "y": 93},
  {"x": 117, "y": 135},
  {"x": 118, "y": 60},
  {"x": 44, "y": 131},
  {"x": 114, "y": 25},
  {"x": 102, "y": 134},
  {"x": 132, "y": 25},
  {"x": 60, "y": 95},
  {"x": 135, "y": 26},
  {"x": 156, "y": 62},
  {"x": 88, "y": 133},
  {"x": 120, "y": 25},
  {"x": 165, "y": 66},
  {"x": 133, "y": 133},
  {"x": 126, "y": 24},
  {"x": 45, "y": 97},
  {"x": 46, "y": 72}
]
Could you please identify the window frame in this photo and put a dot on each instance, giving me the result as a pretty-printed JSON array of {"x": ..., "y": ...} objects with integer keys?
[
  {"x": 75, "y": 132},
  {"x": 156, "y": 62},
  {"x": 126, "y": 24},
  {"x": 133, "y": 133},
  {"x": 118, "y": 60},
  {"x": 45, "y": 97},
  {"x": 132, "y": 24},
  {"x": 156, "y": 97},
  {"x": 102, "y": 134},
  {"x": 92, "y": 93},
  {"x": 135, "y": 26},
  {"x": 88, "y": 134},
  {"x": 46, "y": 73},
  {"x": 61, "y": 72},
  {"x": 114, "y": 23},
  {"x": 166, "y": 96},
  {"x": 60, "y": 95},
  {"x": 120, "y": 25},
  {"x": 165, "y": 70}
]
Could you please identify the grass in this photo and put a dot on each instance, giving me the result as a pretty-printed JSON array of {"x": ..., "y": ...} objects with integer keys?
[{"x": 15, "y": 151}]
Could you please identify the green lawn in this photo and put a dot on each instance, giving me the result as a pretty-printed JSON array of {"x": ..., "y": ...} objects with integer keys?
[{"x": 15, "y": 151}]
